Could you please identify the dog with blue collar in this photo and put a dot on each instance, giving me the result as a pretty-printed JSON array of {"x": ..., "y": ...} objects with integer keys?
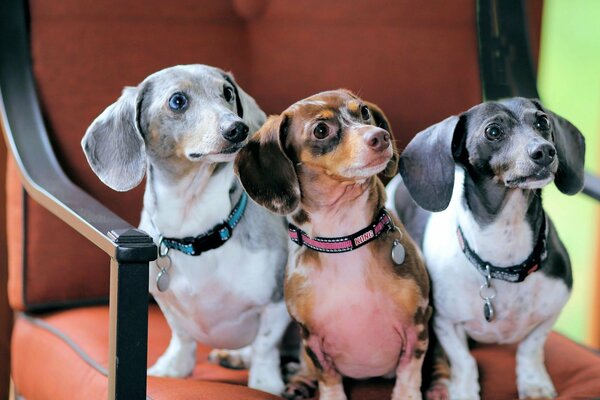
[{"x": 219, "y": 274}]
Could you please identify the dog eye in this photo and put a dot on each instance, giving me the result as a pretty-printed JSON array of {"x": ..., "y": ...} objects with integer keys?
[
  {"x": 178, "y": 102},
  {"x": 493, "y": 132},
  {"x": 366, "y": 114},
  {"x": 542, "y": 123},
  {"x": 321, "y": 130},
  {"x": 228, "y": 93}
]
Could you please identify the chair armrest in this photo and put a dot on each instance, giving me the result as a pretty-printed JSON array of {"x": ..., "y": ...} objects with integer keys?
[
  {"x": 130, "y": 249},
  {"x": 591, "y": 185},
  {"x": 27, "y": 140}
]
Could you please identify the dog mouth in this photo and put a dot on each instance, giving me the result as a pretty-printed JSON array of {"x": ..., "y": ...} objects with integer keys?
[
  {"x": 231, "y": 150},
  {"x": 534, "y": 181}
]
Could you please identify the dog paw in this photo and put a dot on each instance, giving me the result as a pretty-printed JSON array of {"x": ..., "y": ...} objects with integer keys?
[
  {"x": 537, "y": 391},
  {"x": 232, "y": 359},
  {"x": 177, "y": 366},
  {"x": 300, "y": 388},
  {"x": 535, "y": 383},
  {"x": 438, "y": 391}
]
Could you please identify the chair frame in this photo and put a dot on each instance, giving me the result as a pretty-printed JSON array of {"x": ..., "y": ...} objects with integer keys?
[
  {"x": 506, "y": 70},
  {"x": 130, "y": 250}
]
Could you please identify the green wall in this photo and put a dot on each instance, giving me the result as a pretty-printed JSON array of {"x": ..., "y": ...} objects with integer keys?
[{"x": 569, "y": 84}]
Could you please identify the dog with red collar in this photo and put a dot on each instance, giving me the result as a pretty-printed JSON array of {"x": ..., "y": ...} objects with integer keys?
[{"x": 355, "y": 281}]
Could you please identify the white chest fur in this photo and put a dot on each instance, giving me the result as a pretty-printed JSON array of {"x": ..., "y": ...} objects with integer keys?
[
  {"x": 216, "y": 297},
  {"x": 507, "y": 241}
]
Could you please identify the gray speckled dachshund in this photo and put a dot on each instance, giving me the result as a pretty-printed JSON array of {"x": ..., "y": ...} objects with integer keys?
[
  {"x": 499, "y": 271},
  {"x": 222, "y": 279}
]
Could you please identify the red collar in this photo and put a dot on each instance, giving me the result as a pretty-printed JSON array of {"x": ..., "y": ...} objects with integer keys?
[{"x": 382, "y": 223}]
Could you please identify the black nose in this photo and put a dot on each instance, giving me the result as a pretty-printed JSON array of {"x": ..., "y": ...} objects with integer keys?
[
  {"x": 378, "y": 139},
  {"x": 236, "y": 132},
  {"x": 542, "y": 153}
]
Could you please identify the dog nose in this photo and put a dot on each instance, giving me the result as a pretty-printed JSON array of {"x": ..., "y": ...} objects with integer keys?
[
  {"x": 236, "y": 132},
  {"x": 378, "y": 139},
  {"x": 542, "y": 153}
]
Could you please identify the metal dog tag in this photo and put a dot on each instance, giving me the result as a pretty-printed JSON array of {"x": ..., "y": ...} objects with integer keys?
[
  {"x": 398, "y": 253},
  {"x": 488, "y": 310},
  {"x": 163, "y": 280}
]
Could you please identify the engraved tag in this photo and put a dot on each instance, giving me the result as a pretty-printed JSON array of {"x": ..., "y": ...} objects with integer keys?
[
  {"x": 488, "y": 311},
  {"x": 163, "y": 280},
  {"x": 398, "y": 253}
]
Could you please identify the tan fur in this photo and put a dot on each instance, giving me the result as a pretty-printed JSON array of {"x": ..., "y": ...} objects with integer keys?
[{"x": 326, "y": 187}]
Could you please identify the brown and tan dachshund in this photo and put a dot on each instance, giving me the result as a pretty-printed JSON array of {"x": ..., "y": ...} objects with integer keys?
[{"x": 362, "y": 314}]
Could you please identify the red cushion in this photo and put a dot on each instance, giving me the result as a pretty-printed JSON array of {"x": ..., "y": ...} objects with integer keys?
[{"x": 64, "y": 356}]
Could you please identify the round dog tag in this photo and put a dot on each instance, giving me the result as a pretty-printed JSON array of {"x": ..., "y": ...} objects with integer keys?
[
  {"x": 398, "y": 252},
  {"x": 163, "y": 280}
]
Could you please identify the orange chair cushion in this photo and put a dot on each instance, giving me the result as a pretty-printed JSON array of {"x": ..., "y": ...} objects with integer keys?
[{"x": 64, "y": 355}]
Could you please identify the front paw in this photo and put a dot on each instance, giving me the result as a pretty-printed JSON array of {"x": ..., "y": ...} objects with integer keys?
[
  {"x": 177, "y": 365},
  {"x": 535, "y": 386},
  {"x": 232, "y": 359},
  {"x": 439, "y": 390}
]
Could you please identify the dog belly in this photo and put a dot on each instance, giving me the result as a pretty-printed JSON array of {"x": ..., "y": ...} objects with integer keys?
[
  {"x": 218, "y": 303},
  {"x": 359, "y": 333},
  {"x": 224, "y": 326}
]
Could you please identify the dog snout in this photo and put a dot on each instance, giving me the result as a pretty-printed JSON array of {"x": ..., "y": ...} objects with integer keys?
[
  {"x": 377, "y": 139},
  {"x": 235, "y": 132},
  {"x": 542, "y": 153}
]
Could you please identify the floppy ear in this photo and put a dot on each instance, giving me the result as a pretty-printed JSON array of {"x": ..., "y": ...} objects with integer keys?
[
  {"x": 382, "y": 122},
  {"x": 113, "y": 145},
  {"x": 266, "y": 172},
  {"x": 570, "y": 149},
  {"x": 246, "y": 106},
  {"x": 427, "y": 163}
]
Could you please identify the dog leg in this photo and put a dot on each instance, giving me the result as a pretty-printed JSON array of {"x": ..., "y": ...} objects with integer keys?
[
  {"x": 233, "y": 359},
  {"x": 440, "y": 375},
  {"x": 463, "y": 367},
  {"x": 303, "y": 384},
  {"x": 331, "y": 386},
  {"x": 408, "y": 374},
  {"x": 265, "y": 373},
  {"x": 178, "y": 360},
  {"x": 533, "y": 380}
]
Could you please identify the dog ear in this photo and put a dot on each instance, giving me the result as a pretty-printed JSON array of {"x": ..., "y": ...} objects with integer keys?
[
  {"x": 113, "y": 145},
  {"x": 382, "y": 122},
  {"x": 266, "y": 172},
  {"x": 570, "y": 149},
  {"x": 246, "y": 106},
  {"x": 427, "y": 163}
]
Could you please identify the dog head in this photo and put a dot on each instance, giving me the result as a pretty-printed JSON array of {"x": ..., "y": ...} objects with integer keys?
[
  {"x": 179, "y": 115},
  {"x": 333, "y": 133},
  {"x": 515, "y": 142}
]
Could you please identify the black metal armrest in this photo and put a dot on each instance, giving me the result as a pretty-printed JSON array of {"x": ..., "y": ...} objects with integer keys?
[
  {"x": 130, "y": 249},
  {"x": 591, "y": 186}
]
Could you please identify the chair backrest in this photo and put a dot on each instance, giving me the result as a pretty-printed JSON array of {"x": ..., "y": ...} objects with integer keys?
[{"x": 417, "y": 60}]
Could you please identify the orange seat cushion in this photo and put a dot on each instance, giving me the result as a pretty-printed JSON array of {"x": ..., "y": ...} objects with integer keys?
[{"x": 64, "y": 355}]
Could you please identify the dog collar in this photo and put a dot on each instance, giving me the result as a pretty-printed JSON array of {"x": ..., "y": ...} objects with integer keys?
[
  {"x": 214, "y": 238},
  {"x": 382, "y": 223},
  {"x": 516, "y": 273}
]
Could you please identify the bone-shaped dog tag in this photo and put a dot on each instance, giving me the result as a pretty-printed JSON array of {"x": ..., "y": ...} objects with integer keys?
[
  {"x": 398, "y": 253},
  {"x": 163, "y": 280},
  {"x": 488, "y": 310}
]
